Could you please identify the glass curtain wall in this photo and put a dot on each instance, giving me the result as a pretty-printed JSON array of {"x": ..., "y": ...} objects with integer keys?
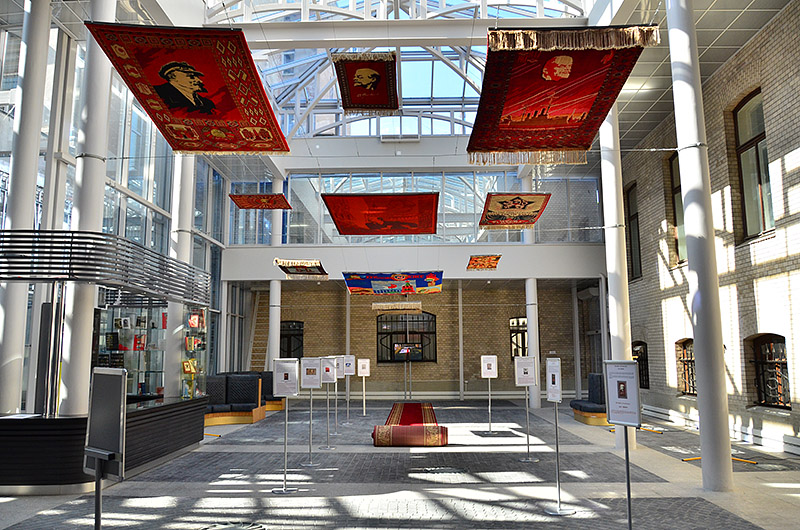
[{"x": 572, "y": 215}]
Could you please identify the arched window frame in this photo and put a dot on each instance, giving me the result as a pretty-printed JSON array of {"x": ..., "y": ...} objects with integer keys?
[{"x": 394, "y": 329}]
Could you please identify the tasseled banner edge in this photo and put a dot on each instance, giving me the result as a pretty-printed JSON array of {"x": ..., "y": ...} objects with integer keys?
[
  {"x": 307, "y": 277},
  {"x": 371, "y": 112},
  {"x": 573, "y": 39},
  {"x": 544, "y": 158},
  {"x": 409, "y": 308},
  {"x": 363, "y": 56},
  {"x": 223, "y": 153},
  {"x": 506, "y": 227},
  {"x": 297, "y": 262}
]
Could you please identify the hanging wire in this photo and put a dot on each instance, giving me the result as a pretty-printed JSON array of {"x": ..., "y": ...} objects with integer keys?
[{"x": 658, "y": 7}]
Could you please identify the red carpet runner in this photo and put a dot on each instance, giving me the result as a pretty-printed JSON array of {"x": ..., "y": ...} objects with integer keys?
[
  {"x": 411, "y": 414},
  {"x": 410, "y": 424}
]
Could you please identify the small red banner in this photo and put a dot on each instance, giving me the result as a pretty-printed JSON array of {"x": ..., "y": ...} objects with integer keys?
[
  {"x": 361, "y": 214},
  {"x": 275, "y": 201},
  {"x": 198, "y": 85},
  {"x": 513, "y": 210},
  {"x": 367, "y": 82}
]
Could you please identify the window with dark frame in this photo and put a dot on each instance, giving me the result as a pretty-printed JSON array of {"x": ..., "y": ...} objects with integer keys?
[
  {"x": 677, "y": 208},
  {"x": 519, "y": 336},
  {"x": 684, "y": 350},
  {"x": 291, "y": 339},
  {"x": 639, "y": 350},
  {"x": 751, "y": 154},
  {"x": 632, "y": 223},
  {"x": 418, "y": 330},
  {"x": 772, "y": 371}
]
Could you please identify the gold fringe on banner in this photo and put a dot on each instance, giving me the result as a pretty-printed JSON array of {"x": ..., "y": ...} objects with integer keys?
[
  {"x": 363, "y": 56},
  {"x": 307, "y": 277},
  {"x": 544, "y": 158},
  {"x": 297, "y": 262},
  {"x": 573, "y": 39},
  {"x": 407, "y": 308},
  {"x": 371, "y": 112}
]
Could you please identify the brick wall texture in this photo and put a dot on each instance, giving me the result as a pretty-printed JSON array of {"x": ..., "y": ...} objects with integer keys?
[{"x": 759, "y": 278}]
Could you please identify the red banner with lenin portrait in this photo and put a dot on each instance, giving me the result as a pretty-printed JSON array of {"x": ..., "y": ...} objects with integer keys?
[
  {"x": 199, "y": 86},
  {"x": 367, "y": 82}
]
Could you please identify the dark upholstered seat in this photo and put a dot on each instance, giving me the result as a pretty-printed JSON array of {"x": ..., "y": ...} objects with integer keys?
[
  {"x": 242, "y": 391},
  {"x": 216, "y": 390},
  {"x": 597, "y": 396}
]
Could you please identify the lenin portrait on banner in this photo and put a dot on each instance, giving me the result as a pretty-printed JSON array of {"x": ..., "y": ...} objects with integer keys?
[{"x": 182, "y": 88}]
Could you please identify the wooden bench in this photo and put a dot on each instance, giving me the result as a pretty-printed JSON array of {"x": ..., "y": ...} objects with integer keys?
[{"x": 591, "y": 411}]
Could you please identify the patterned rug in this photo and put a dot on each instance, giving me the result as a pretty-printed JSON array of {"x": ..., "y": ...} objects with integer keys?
[{"x": 411, "y": 414}]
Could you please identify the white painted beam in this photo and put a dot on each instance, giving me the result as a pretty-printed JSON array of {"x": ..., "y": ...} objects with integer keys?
[{"x": 389, "y": 33}]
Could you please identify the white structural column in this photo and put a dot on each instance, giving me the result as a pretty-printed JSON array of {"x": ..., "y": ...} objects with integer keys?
[
  {"x": 532, "y": 311},
  {"x": 22, "y": 193},
  {"x": 274, "y": 337},
  {"x": 619, "y": 315},
  {"x": 87, "y": 214},
  {"x": 712, "y": 399},
  {"x": 180, "y": 248}
]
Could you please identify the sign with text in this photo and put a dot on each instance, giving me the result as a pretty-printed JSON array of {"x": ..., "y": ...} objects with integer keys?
[
  {"x": 489, "y": 366},
  {"x": 363, "y": 368},
  {"x": 310, "y": 372},
  {"x": 623, "y": 406},
  {"x": 349, "y": 365},
  {"x": 328, "y": 369},
  {"x": 339, "y": 366},
  {"x": 285, "y": 382},
  {"x": 554, "y": 379},
  {"x": 525, "y": 371}
]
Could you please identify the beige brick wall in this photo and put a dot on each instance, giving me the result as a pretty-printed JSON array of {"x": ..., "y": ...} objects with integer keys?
[
  {"x": 759, "y": 279},
  {"x": 487, "y": 310}
]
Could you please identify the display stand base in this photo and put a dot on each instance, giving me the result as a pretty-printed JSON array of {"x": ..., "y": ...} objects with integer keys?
[
  {"x": 310, "y": 464},
  {"x": 327, "y": 448},
  {"x": 559, "y": 511},
  {"x": 283, "y": 491},
  {"x": 529, "y": 460}
]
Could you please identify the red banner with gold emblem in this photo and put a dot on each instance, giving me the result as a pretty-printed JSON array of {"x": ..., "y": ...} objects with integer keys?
[
  {"x": 198, "y": 85},
  {"x": 367, "y": 82}
]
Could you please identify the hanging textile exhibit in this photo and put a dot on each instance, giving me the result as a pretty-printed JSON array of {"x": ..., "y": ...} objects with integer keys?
[
  {"x": 367, "y": 82},
  {"x": 198, "y": 85},
  {"x": 397, "y": 308},
  {"x": 302, "y": 269},
  {"x": 546, "y": 92},
  {"x": 361, "y": 214},
  {"x": 275, "y": 201},
  {"x": 483, "y": 263},
  {"x": 393, "y": 282},
  {"x": 512, "y": 210}
]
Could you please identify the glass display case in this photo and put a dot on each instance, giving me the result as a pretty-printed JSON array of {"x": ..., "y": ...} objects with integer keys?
[
  {"x": 134, "y": 339},
  {"x": 194, "y": 362}
]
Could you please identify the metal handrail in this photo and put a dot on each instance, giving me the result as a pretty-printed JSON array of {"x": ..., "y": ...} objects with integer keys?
[{"x": 104, "y": 259}]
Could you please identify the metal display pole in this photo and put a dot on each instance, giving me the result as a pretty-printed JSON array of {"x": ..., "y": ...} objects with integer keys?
[
  {"x": 284, "y": 489},
  {"x": 409, "y": 381},
  {"x": 363, "y": 395},
  {"x": 528, "y": 430},
  {"x": 559, "y": 510},
  {"x": 310, "y": 462},
  {"x": 336, "y": 407},
  {"x": 405, "y": 380},
  {"x": 628, "y": 478},
  {"x": 347, "y": 399},
  {"x": 490, "y": 404},
  {"x": 327, "y": 446}
]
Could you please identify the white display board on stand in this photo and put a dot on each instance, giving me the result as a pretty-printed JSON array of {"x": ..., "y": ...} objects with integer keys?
[
  {"x": 285, "y": 381},
  {"x": 489, "y": 366},
  {"x": 363, "y": 368},
  {"x": 623, "y": 406},
  {"x": 310, "y": 372},
  {"x": 554, "y": 379},
  {"x": 328, "y": 369},
  {"x": 339, "y": 366},
  {"x": 525, "y": 371},
  {"x": 349, "y": 365}
]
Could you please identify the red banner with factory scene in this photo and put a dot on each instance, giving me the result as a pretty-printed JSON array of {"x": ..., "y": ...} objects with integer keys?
[
  {"x": 546, "y": 92},
  {"x": 198, "y": 85},
  {"x": 384, "y": 213}
]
